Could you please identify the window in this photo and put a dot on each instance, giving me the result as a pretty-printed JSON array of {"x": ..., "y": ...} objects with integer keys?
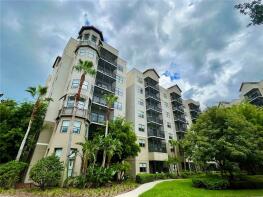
[
  {"x": 93, "y": 38},
  {"x": 58, "y": 152},
  {"x": 141, "y": 142},
  {"x": 141, "y": 127},
  {"x": 118, "y": 91},
  {"x": 169, "y": 125},
  {"x": 141, "y": 114},
  {"x": 76, "y": 127},
  {"x": 140, "y": 102},
  {"x": 81, "y": 103},
  {"x": 64, "y": 127},
  {"x": 143, "y": 167},
  {"x": 140, "y": 80},
  {"x": 140, "y": 90},
  {"x": 71, "y": 162},
  {"x": 120, "y": 68},
  {"x": 75, "y": 83},
  {"x": 70, "y": 102},
  {"x": 167, "y": 114},
  {"x": 118, "y": 105},
  {"x": 86, "y": 37},
  {"x": 85, "y": 85},
  {"x": 119, "y": 79},
  {"x": 86, "y": 52},
  {"x": 166, "y": 104}
]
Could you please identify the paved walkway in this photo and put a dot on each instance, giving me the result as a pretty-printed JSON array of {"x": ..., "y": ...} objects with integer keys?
[{"x": 142, "y": 188}]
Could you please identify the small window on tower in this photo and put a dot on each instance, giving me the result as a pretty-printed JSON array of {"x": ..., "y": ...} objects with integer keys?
[
  {"x": 86, "y": 37},
  {"x": 93, "y": 38}
]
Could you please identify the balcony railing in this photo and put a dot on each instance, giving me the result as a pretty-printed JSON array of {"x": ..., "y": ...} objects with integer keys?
[
  {"x": 156, "y": 133},
  {"x": 155, "y": 96},
  {"x": 154, "y": 107},
  {"x": 180, "y": 118},
  {"x": 156, "y": 87},
  {"x": 88, "y": 42},
  {"x": 179, "y": 100},
  {"x": 105, "y": 86},
  {"x": 107, "y": 72},
  {"x": 155, "y": 120},
  {"x": 99, "y": 100},
  {"x": 156, "y": 145},
  {"x": 178, "y": 108},
  {"x": 68, "y": 111},
  {"x": 197, "y": 110},
  {"x": 97, "y": 118}
]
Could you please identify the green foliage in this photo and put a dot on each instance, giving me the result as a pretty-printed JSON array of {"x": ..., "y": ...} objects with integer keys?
[
  {"x": 98, "y": 176},
  {"x": 248, "y": 182},
  {"x": 254, "y": 9},
  {"x": 121, "y": 170},
  {"x": 47, "y": 171},
  {"x": 13, "y": 124},
  {"x": 86, "y": 67},
  {"x": 146, "y": 177},
  {"x": 123, "y": 131},
  {"x": 10, "y": 173},
  {"x": 171, "y": 175},
  {"x": 232, "y": 137},
  {"x": 213, "y": 183}
]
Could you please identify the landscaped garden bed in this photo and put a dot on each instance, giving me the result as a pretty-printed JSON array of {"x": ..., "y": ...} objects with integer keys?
[{"x": 105, "y": 191}]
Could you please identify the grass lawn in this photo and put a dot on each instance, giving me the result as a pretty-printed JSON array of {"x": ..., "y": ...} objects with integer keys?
[
  {"x": 183, "y": 188},
  {"x": 106, "y": 191}
]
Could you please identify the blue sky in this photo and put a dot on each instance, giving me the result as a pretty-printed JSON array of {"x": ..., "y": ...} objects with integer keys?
[{"x": 203, "y": 46}]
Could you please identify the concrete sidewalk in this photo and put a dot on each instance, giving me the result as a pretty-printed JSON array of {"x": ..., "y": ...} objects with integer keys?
[{"x": 142, "y": 188}]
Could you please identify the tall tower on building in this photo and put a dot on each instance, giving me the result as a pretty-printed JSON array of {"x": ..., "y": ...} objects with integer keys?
[{"x": 63, "y": 84}]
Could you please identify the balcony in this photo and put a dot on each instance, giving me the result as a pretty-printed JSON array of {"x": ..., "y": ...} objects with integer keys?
[
  {"x": 178, "y": 100},
  {"x": 153, "y": 96},
  {"x": 254, "y": 97},
  {"x": 154, "y": 120},
  {"x": 97, "y": 118},
  {"x": 156, "y": 133},
  {"x": 68, "y": 111},
  {"x": 106, "y": 71},
  {"x": 154, "y": 107},
  {"x": 99, "y": 100},
  {"x": 156, "y": 145},
  {"x": 88, "y": 43},
  {"x": 178, "y": 108},
  {"x": 105, "y": 86},
  {"x": 108, "y": 57},
  {"x": 179, "y": 118}
]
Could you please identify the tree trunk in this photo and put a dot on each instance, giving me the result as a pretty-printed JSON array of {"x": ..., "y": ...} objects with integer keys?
[
  {"x": 28, "y": 130},
  {"x": 77, "y": 97},
  {"x": 23, "y": 141},
  {"x": 106, "y": 133}
]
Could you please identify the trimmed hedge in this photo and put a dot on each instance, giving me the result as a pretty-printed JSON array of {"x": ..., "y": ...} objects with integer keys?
[
  {"x": 10, "y": 173},
  {"x": 213, "y": 183},
  {"x": 146, "y": 177},
  {"x": 248, "y": 182}
]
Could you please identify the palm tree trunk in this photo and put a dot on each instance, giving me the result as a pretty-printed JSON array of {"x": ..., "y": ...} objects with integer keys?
[
  {"x": 77, "y": 97},
  {"x": 28, "y": 130},
  {"x": 106, "y": 133},
  {"x": 23, "y": 141}
]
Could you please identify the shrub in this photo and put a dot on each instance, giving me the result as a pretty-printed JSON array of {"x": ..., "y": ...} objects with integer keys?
[
  {"x": 213, "y": 183},
  {"x": 160, "y": 176},
  {"x": 10, "y": 173},
  {"x": 98, "y": 176},
  {"x": 186, "y": 174},
  {"x": 248, "y": 182},
  {"x": 172, "y": 175},
  {"x": 145, "y": 178},
  {"x": 47, "y": 172}
]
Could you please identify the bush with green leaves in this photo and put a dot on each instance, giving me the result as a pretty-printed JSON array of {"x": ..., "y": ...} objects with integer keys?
[
  {"x": 247, "y": 182},
  {"x": 10, "y": 173},
  {"x": 121, "y": 170},
  {"x": 213, "y": 183},
  {"x": 98, "y": 176},
  {"x": 145, "y": 178},
  {"x": 47, "y": 172}
]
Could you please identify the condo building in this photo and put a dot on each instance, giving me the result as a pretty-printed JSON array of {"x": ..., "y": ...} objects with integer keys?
[
  {"x": 251, "y": 92},
  {"x": 158, "y": 114},
  {"x": 63, "y": 85}
]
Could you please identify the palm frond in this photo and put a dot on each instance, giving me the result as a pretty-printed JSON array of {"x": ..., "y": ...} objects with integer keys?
[
  {"x": 32, "y": 91},
  {"x": 41, "y": 90}
]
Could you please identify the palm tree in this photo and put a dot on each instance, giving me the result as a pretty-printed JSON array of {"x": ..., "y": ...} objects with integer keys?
[
  {"x": 174, "y": 144},
  {"x": 84, "y": 67},
  {"x": 37, "y": 93},
  {"x": 110, "y": 147},
  {"x": 110, "y": 99},
  {"x": 89, "y": 153}
]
